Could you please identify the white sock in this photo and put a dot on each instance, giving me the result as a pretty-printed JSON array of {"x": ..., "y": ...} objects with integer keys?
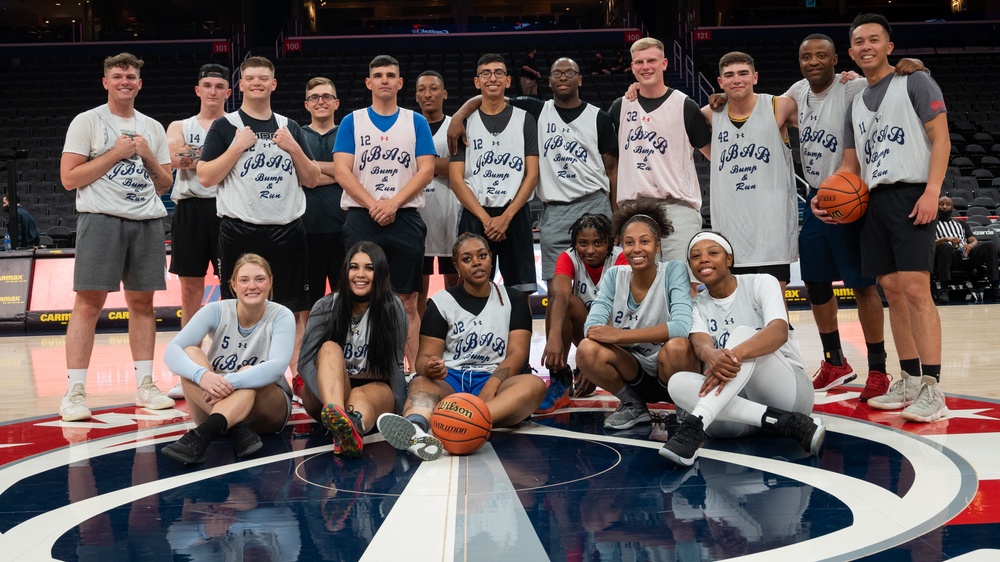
[
  {"x": 143, "y": 369},
  {"x": 76, "y": 376}
]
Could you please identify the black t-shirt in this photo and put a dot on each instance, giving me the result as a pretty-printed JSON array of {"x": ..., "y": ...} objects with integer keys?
[
  {"x": 607, "y": 138},
  {"x": 698, "y": 131},
  {"x": 323, "y": 212},
  {"x": 497, "y": 123},
  {"x": 222, "y": 133},
  {"x": 530, "y": 63},
  {"x": 435, "y": 126},
  {"x": 434, "y": 325}
]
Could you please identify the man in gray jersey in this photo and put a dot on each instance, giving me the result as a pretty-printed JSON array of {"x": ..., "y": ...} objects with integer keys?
[
  {"x": 194, "y": 242},
  {"x": 905, "y": 183},
  {"x": 116, "y": 160}
]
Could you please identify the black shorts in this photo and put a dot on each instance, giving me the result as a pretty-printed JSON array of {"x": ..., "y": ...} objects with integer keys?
[
  {"x": 515, "y": 254},
  {"x": 890, "y": 241},
  {"x": 326, "y": 261},
  {"x": 445, "y": 265},
  {"x": 284, "y": 248},
  {"x": 649, "y": 387},
  {"x": 402, "y": 241},
  {"x": 194, "y": 238},
  {"x": 781, "y": 272}
]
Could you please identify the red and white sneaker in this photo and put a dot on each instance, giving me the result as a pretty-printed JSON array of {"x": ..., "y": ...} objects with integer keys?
[
  {"x": 877, "y": 385},
  {"x": 831, "y": 376}
]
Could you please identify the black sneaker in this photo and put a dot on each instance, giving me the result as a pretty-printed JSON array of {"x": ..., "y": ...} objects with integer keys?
[
  {"x": 682, "y": 448},
  {"x": 189, "y": 449},
  {"x": 808, "y": 432},
  {"x": 245, "y": 440}
]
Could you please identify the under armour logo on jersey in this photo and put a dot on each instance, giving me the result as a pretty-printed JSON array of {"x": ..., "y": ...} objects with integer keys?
[
  {"x": 385, "y": 138},
  {"x": 496, "y": 143},
  {"x": 646, "y": 118}
]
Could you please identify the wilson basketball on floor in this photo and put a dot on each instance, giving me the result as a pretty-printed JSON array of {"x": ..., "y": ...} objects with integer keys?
[
  {"x": 844, "y": 196},
  {"x": 462, "y": 422}
]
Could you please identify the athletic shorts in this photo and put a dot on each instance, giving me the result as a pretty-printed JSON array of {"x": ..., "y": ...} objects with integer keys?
[
  {"x": 556, "y": 220},
  {"x": 445, "y": 265},
  {"x": 284, "y": 248},
  {"x": 649, "y": 387},
  {"x": 515, "y": 254},
  {"x": 326, "y": 262},
  {"x": 467, "y": 381},
  {"x": 890, "y": 240},
  {"x": 194, "y": 238},
  {"x": 112, "y": 252},
  {"x": 781, "y": 272},
  {"x": 402, "y": 241},
  {"x": 831, "y": 252}
]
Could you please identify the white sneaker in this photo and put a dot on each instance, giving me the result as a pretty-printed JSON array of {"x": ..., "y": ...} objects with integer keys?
[
  {"x": 177, "y": 392},
  {"x": 74, "y": 404},
  {"x": 149, "y": 396},
  {"x": 901, "y": 394},
  {"x": 928, "y": 407}
]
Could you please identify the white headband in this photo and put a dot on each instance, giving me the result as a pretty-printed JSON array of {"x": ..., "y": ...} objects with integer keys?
[{"x": 714, "y": 238}]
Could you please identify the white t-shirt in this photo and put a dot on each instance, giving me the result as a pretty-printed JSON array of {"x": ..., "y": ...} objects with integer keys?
[{"x": 125, "y": 190}]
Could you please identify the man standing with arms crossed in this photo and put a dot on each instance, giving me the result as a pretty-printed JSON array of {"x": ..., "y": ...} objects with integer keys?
[
  {"x": 384, "y": 157},
  {"x": 260, "y": 163},
  {"x": 657, "y": 135},
  {"x": 194, "y": 241},
  {"x": 118, "y": 162},
  {"x": 905, "y": 182}
]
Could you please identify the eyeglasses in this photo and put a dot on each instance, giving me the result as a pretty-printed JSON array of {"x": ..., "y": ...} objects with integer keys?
[
  {"x": 325, "y": 97},
  {"x": 557, "y": 74},
  {"x": 486, "y": 73}
]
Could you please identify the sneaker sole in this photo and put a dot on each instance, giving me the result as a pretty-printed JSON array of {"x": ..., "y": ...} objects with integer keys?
[
  {"x": 258, "y": 445},
  {"x": 181, "y": 457},
  {"x": 888, "y": 405},
  {"x": 79, "y": 416},
  {"x": 677, "y": 459},
  {"x": 910, "y": 416},
  {"x": 644, "y": 418},
  {"x": 152, "y": 406},
  {"x": 816, "y": 443},
  {"x": 561, "y": 403},
  {"x": 837, "y": 382},
  {"x": 397, "y": 431},
  {"x": 428, "y": 448},
  {"x": 351, "y": 442}
]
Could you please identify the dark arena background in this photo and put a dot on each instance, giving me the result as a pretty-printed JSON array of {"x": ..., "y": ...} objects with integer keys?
[{"x": 559, "y": 486}]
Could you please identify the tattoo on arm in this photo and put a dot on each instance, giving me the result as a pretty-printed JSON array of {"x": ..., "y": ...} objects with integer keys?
[
  {"x": 424, "y": 399},
  {"x": 502, "y": 373}
]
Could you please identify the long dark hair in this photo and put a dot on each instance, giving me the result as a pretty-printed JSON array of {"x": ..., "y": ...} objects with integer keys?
[{"x": 383, "y": 314}]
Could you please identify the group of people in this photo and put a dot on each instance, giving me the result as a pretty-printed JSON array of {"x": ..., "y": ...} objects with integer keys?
[{"x": 369, "y": 204}]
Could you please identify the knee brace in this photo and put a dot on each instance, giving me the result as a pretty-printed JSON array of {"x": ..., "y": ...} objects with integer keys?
[{"x": 820, "y": 293}]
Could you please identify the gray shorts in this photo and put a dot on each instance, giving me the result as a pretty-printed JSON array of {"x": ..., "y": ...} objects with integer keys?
[
  {"x": 687, "y": 223},
  {"x": 112, "y": 252},
  {"x": 557, "y": 218}
]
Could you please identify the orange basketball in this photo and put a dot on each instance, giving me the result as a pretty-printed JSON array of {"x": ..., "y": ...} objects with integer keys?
[
  {"x": 844, "y": 196},
  {"x": 462, "y": 422}
]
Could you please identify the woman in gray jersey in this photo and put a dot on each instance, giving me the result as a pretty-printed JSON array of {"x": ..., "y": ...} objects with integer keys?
[
  {"x": 638, "y": 308},
  {"x": 352, "y": 351},
  {"x": 753, "y": 376},
  {"x": 239, "y": 382}
]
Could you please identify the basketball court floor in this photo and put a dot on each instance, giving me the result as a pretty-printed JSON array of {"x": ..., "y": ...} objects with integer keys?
[{"x": 559, "y": 487}]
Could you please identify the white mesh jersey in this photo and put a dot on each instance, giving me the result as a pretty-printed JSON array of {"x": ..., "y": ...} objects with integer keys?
[
  {"x": 186, "y": 184},
  {"x": 383, "y": 160},
  {"x": 262, "y": 188},
  {"x": 475, "y": 342},
  {"x": 441, "y": 207},
  {"x": 356, "y": 346},
  {"x": 125, "y": 190},
  {"x": 821, "y": 126},
  {"x": 570, "y": 165},
  {"x": 230, "y": 350},
  {"x": 583, "y": 286},
  {"x": 653, "y": 310},
  {"x": 892, "y": 143},
  {"x": 655, "y": 157},
  {"x": 756, "y": 302},
  {"x": 494, "y": 163},
  {"x": 753, "y": 199}
]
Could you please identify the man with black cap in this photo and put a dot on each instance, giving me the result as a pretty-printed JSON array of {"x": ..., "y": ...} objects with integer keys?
[{"x": 195, "y": 228}]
